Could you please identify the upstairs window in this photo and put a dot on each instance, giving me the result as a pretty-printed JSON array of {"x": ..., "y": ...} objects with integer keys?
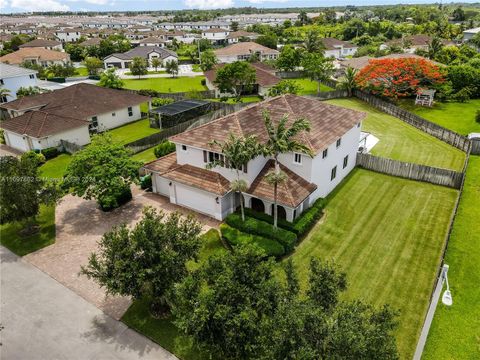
[
  {"x": 324, "y": 153},
  {"x": 345, "y": 161},
  {"x": 113, "y": 114},
  {"x": 297, "y": 158},
  {"x": 184, "y": 147},
  {"x": 1, "y": 82},
  {"x": 333, "y": 174},
  {"x": 130, "y": 111},
  {"x": 32, "y": 76},
  {"x": 339, "y": 142}
]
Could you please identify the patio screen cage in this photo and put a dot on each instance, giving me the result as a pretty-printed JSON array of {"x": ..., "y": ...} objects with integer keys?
[{"x": 178, "y": 112}]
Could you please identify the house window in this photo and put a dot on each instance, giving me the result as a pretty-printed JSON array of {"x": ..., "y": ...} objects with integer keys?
[
  {"x": 297, "y": 158},
  {"x": 1, "y": 82},
  {"x": 94, "y": 124},
  {"x": 32, "y": 76},
  {"x": 333, "y": 175},
  {"x": 324, "y": 153},
  {"x": 184, "y": 147},
  {"x": 113, "y": 114},
  {"x": 339, "y": 142},
  {"x": 345, "y": 161},
  {"x": 130, "y": 111},
  {"x": 3, "y": 99},
  {"x": 358, "y": 125}
]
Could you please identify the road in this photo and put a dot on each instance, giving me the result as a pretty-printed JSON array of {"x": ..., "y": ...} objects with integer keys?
[{"x": 42, "y": 319}]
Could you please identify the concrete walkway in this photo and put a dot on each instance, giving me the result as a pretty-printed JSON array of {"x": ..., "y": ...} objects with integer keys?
[{"x": 42, "y": 319}]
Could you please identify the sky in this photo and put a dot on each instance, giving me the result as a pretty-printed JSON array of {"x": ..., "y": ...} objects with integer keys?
[{"x": 13, "y": 6}]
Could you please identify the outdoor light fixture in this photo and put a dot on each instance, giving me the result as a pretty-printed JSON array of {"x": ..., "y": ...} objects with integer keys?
[{"x": 447, "y": 295}]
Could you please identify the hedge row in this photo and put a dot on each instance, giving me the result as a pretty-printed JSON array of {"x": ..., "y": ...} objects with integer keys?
[
  {"x": 257, "y": 227},
  {"x": 284, "y": 224},
  {"x": 236, "y": 237}
]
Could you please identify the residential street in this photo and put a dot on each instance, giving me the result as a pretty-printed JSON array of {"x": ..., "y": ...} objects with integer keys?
[{"x": 42, "y": 319}]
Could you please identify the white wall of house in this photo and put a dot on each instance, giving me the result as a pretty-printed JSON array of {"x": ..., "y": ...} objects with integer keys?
[
  {"x": 117, "y": 118},
  {"x": 215, "y": 36},
  {"x": 113, "y": 61},
  {"x": 15, "y": 83},
  {"x": 79, "y": 136},
  {"x": 68, "y": 36}
]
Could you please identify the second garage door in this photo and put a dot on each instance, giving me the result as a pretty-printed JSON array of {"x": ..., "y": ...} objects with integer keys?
[{"x": 195, "y": 199}]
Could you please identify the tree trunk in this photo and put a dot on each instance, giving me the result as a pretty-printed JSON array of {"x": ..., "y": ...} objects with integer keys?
[
  {"x": 242, "y": 206},
  {"x": 275, "y": 190}
]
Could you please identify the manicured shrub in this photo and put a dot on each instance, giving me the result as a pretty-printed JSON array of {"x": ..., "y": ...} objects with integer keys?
[
  {"x": 236, "y": 237},
  {"x": 284, "y": 224},
  {"x": 463, "y": 95},
  {"x": 309, "y": 217},
  {"x": 148, "y": 92},
  {"x": 50, "y": 153},
  {"x": 110, "y": 202},
  {"x": 164, "y": 148},
  {"x": 203, "y": 82},
  {"x": 162, "y": 101},
  {"x": 36, "y": 156},
  {"x": 257, "y": 227},
  {"x": 146, "y": 182}
]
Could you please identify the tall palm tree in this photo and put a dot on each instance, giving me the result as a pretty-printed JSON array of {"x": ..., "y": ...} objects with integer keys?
[
  {"x": 237, "y": 152},
  {"x": 347, "y": 82},
  {"x": 281, "y": 140}
]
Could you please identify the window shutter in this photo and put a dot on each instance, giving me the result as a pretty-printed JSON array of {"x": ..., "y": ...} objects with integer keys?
[
  {"x": 204, "y": 156},
  {"x": 245, "y": 168}
]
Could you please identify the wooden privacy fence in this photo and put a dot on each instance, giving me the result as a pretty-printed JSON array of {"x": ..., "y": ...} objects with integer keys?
[
  {"x": 475, "y": 150},
  {"x": 450, "y": 137},
  {"x": 204, "y": 94},
  {"x": 326, "y": 95},
  {"x": 411, "y": 171},
  {"x": 69, "y": 147}
]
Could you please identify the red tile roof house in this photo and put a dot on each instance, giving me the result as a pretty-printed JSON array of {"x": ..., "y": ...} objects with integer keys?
[
  {"x": 183, "y": 176},
  {"x": 265, "y": 79},
  {"x": 70, "y": 114},
  {"x": 243, "y": 51}
]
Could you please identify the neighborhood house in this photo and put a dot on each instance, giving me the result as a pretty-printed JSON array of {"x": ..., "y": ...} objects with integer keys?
[
  {"x": 245, "y": 51},
  {"x": 36, "y": 55},
  {"x": 13, "y": 78},
  {"x": 122, "y": 60},
  {"x": 183, "y": 176},
  {"x": 70, "y": 114}
]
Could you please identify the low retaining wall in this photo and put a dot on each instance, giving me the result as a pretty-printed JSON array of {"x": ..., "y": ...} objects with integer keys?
[
  {"x": 411, "y": 171},
  {"x": 326, "y": 95}
]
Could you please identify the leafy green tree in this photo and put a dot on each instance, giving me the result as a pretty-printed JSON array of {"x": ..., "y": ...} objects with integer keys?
[
  {"x": 318, "y": 68},
  {"x": 289, "y": 58},
  {"x": 434, "y": 47},
  {"x": 27, "y": 91},
  {"x": 268, "y": 40},
  {"x": 281, "y": 140},
  {"x": 76, "y": 52},
  {"x": 234, "y": 26},
  {"x": 284, "y": 87},
  {"x": 42, "y": 72},
  {"x": 204, "y": 44},
  {"x": 237, "y": 152},
  {"x": 138, "y": 66},
  {"x": 235, "y": 78},
  {"x": 171, "y": 66},
  {"x": 102, "y": 171},
  {"x": 156, "y": 63},
  {"x": 146, "y": 261},
  {"x": 347, "y": 81},
  {"x": 458, "y": 14},
  {"x": 22, "y": 191},
  {"x": 207, "y": 60},
  {"x": 303, "y": 18},
  {"x": 313, "y": 42},
  {"x": 93, "y": 65},
  {"x": 110, "y": 79},
  {"x": 325, "y": 283},
  {"x": 57, "y": 70}
]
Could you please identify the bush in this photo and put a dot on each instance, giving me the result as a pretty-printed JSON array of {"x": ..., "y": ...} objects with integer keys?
[
  {"x": 50, "y": 153},
  {"x": 146, "y": 182},
  {"x": 236, "y": 237},
  {"x": 477, "y": 116},
  {"x": 148, "y": 92},
  {"x": 162, "y": 101},
  {"x": 309, "y": 217},
  {"x": 164, "y": 148},
  {"x": 257, "y": 227},
  {"x": 35, "y": 156},
  {"x": 284, "y": 224},
  {"x": 110, "y": 202},
  {"x": 203, "y": 82},
  {"x": 462, "y": 95}
]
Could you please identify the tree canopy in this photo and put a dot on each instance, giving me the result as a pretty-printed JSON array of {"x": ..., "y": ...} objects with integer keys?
[{"x": 235, "y": 78}]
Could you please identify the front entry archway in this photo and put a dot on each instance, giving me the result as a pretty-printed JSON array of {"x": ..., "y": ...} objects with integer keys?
[
  {"x": 281, "y": 212},
  {"x": 257, "y": 205}
]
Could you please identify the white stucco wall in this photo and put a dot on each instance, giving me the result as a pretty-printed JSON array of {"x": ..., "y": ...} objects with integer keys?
[
  {"x": 15, "y": 83},
  {"x": 108, "y": 121}
]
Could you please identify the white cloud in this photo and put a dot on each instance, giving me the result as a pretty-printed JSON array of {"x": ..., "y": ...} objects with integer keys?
[
  {"x": 265, "y": 1},
  {"x": 98, "y": 2},
  {"x": 208, "y": 4},
  {"x": 38, "y": 5}
]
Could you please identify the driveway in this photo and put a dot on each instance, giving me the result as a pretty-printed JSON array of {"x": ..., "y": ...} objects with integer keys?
[
  {"x": 79, "y": 226},
  {"x": 44, "y": 320}
]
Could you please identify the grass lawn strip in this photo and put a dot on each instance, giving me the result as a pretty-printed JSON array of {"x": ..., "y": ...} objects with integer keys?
[
  {"x": 387, "y": 233},
  {"x": 455, "y": 331},
  {"x": 309, "y": 87},
  {"x": 400, "y": 141},
  {"x": 167, "y": 85},
  {"x": 132, "y": 131}
]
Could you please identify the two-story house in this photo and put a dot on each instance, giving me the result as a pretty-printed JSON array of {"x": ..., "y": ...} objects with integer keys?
[
  {"x": 216, "y": 36},
  {"x": 185, "y": 179},
  {"x": 13, "y": 78}
]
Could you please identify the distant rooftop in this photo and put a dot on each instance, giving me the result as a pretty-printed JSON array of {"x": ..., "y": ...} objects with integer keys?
[{"x": 9, "y": 71}]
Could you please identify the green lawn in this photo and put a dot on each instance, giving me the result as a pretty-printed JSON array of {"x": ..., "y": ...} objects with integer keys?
[
  {"x": 167, "y": 85},
  {"x": 387, "y": 233},
  {"x": 81, "y": 71},
  {"x": 150, "y": 72},
  {"x": 196, "y": 68},
  {"x": 11, "y": 239},
  {"x": 400, "y": 141},
  {"x": 133, "y": 131},
  {"x": 163, "y": 331},
  {"x": 455, "y": 331},
  {"x": 244, "y": 99},
  {"x": 459, "y": 117},
  {"x": 145, "y": 156},
  {"x": 309, "y": 87},
  {"x": 55, "y": 168}
]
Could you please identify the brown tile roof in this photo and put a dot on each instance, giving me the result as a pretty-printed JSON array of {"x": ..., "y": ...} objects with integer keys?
[
  {"x": 264, "y": 74},
  {"x": 39, "y": 124},
  {"x": 327, "y": 122},
  {"x": 290, "y": 193},
  {"x": 216, "y": 30},
  {"x": 42, "y": 54},
  {"x": 151, "y": 39},
  {"x": 207, "y": 180},
  {"x": 332, "y": 43},
  {"x": 79, "y": 101},
  {"x": 241, "y": 33},
  {"x": 91, "y": 42},
  {"x": 40, "y": 43},
  {"x": 417, "y": 40},
  {"x": 244, "y": 48}
]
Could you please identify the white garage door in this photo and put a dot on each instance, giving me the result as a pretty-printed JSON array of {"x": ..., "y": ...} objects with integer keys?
[
  {"x": 161, "y": 185},
  {"x": 196, "y": 200},
  {"x": 16, "y": 141}
]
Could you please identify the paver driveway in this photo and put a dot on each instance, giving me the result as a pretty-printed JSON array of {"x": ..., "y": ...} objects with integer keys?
[
  {"x": 79, "y": 226},
  {"x": 44, "y": 320}
]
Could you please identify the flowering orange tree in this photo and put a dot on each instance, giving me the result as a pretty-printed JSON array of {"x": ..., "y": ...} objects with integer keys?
[{"x": 401, "y": 77}]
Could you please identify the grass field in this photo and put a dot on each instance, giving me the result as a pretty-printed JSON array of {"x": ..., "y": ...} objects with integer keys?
[
  {"x": 387, "y": 234},
  {"x": 81, "y": 71},
  {"x": 145, "y": 156},
  {"x": 309, "y": 87},
  {"x": 55, "y": 168},
  {"x": 455, "y": 331},
  {"x": 163, "y": 331},
  {"x": 132, "y": 131},
  {"x": 459, "y": 117},
  {"x": 167, "y": 85},
  {"x": 400, "y": 141}
]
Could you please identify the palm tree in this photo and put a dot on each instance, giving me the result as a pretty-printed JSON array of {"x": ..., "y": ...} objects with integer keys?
[
  {"x": 348, "y": 82},
  {"x": 434, "y": 47},
  {"x": 237, "y": 152},
  {"x": 4, "y": 94},
  {"x": 281, "y": 140}
]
